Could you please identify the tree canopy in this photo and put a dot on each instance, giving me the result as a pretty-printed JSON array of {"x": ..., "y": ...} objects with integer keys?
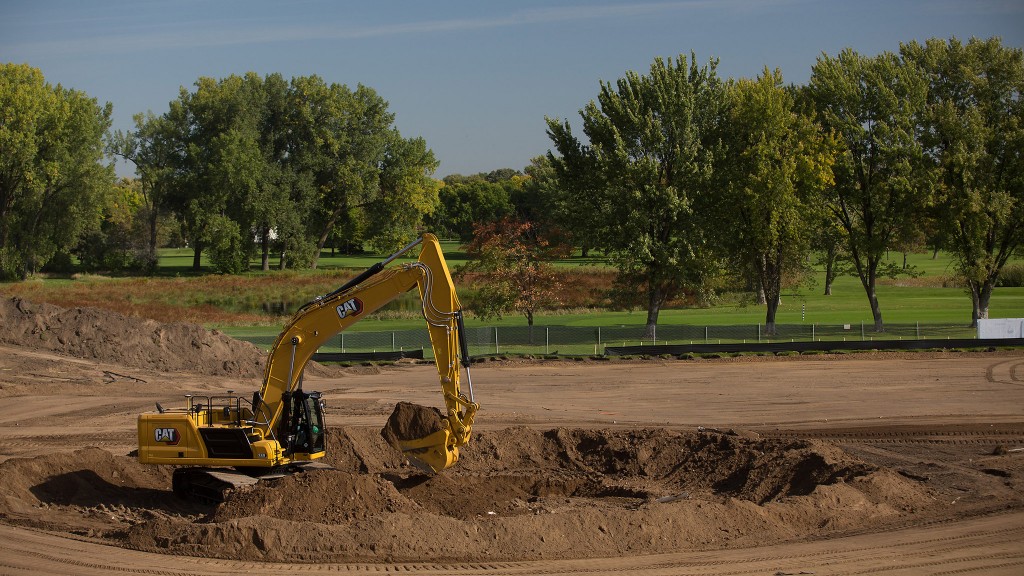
[
  {"x": 973, "y": 134},
  {"x": 777, "y": 162},
  {"x": 287, "y": 163},
  {"x": 873, "y": 105},
  {"x": 646, "y": 175},
  {"x": 52, "y": 177}
]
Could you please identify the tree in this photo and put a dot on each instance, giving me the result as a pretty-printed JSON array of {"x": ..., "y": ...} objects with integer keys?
[
  {"x": 515, "y": 263},
  {"x": 407, "y": 192},
  {"x": 340, "y": 141},
  {"x": 542, "y": 200},
  {"x": 151, "y": 148},
  {"x": 777, "y": 161},
  {"x": 52, "y": 175},
  {"x": 465, "y": 202},
  {"x": 873, "y": 105},
  {"x": 646, "y": 174},
  {"x": 119, "y": 243},
  {"x": 973, "y": 134}
]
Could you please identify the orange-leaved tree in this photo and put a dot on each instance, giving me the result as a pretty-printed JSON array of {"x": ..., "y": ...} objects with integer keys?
[{"x": 513, "y": 260}]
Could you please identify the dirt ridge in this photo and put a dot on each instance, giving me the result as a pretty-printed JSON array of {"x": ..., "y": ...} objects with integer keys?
[{"x": 125, "y": 340}]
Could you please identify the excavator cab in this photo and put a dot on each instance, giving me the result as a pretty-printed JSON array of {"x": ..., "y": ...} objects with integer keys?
[{"x": 302, "y": 424}]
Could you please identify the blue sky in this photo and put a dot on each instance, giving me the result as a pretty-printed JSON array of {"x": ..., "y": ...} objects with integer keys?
[{"x": 473, "y": 78}]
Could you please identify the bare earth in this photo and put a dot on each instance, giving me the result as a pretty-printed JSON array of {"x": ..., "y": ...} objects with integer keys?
[{"x": 863, "y": 463}]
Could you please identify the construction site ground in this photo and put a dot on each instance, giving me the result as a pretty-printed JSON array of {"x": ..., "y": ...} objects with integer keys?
[{"x": 895, "y": 463}]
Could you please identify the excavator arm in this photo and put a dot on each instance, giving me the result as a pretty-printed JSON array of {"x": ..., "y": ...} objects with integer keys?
[{"x": 320, "y": 320}]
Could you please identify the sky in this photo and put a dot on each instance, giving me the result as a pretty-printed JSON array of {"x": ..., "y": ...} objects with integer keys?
[{"x": 475, "y": 79}]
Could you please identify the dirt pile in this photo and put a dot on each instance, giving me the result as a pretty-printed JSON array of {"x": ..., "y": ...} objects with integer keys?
[
  {"x": 516, "y": 494},
  {"x": 410, "y": 421},
  {"x": 114, "y": 338}
]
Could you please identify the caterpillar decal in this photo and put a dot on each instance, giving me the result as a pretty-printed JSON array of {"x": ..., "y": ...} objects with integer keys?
[
  {"x": 168, "y": 436},
  {"x": 350, "y": 308}
]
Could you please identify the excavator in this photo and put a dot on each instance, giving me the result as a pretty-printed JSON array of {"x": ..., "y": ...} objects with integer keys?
[{"x": 223, "y": 442}]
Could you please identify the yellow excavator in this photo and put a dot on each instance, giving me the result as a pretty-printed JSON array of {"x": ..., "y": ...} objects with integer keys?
[{"x": 221, "y": 442}]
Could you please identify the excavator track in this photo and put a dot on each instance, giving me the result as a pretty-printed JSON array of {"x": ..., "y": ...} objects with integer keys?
[{"x": 215, "y": 485}]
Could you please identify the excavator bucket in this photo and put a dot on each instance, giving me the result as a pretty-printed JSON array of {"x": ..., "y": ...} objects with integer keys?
[{"x": 423, "y": 435}]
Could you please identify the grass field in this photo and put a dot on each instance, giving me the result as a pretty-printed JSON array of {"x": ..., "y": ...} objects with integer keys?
[
  {"x": 922, "y": 299},
  {"x": 257, "y": 304}
]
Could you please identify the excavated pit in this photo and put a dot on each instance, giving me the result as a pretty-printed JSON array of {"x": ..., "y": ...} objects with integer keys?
[{"x": 516, "y": 494}]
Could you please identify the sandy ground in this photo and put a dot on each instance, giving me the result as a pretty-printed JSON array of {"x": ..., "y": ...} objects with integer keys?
[{"x": 864, "y": 463}]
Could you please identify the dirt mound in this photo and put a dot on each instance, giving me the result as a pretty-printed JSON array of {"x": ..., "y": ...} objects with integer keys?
[
  {"x": 114, "y": 338},
  {"x": 321, "y": 496},
  {"x": 516, "y": 494},
  {"x": 410, "y": 421}
]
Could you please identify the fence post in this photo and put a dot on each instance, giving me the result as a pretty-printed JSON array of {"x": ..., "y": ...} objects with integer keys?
[
  {"x": 342, "y": 341},
  {"x": 705, "y": 334},
  {"x": 862, "y": 330},
  {"x": 812, "y": 331},
  {"x": 547, "y": 340},
  {"x": 496, "y": 340},
  {"x": 758, "y": 331},
  {"x": 392, "y": 341}
]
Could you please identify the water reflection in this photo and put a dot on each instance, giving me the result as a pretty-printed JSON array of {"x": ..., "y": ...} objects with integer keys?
[{"x": 408, "y": 302}]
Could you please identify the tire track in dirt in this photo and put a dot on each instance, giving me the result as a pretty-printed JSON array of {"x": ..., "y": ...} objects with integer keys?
[
  {"x": 953, "y": 551},
  {"x": 1009, "y": 372}
]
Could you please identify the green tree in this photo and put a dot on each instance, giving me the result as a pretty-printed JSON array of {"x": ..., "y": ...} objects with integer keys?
[
  {"x": 151, "y": 148},
  {"x": 646, "y": 175},
  {"x": 777, "y": 161},
  {"x": 119, "y": 243},
  {"x": 540, "y": 201},
  {"x": 52, "y": 172},
  {"x": 407, "y": 192},
  {"x": 873, "y": 105},
  {"x": 340, "y": 140},
  {"x": 207, "y": 122},
  {"x": 973, "y": 134},
  {"x": 465, "y": 202}
]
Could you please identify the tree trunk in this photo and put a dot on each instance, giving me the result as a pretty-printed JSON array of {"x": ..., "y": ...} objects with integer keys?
[
  {"x": 654, "y": 301},
  {"x": 830, "y": 269},
  {"x": 325, "y": 233},
  {"x": 770, "y": 279},
  {"x": 769, "y": 317},
  {"x": 867, "y": 272},
  {"x": 197, "y": 252},
  {"x": 152, "y": 260},
  {"x": 981, "y": 295},
  {"x": 265, "y": 248}
]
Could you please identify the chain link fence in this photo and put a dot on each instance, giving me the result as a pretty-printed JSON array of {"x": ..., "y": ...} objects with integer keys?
[{"x": 581, "y": 340}]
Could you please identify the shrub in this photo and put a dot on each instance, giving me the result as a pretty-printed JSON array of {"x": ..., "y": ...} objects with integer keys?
[{"x": 1011, "y": 276}]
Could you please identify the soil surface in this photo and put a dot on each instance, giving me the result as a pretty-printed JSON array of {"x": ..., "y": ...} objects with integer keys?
[{"x": 828, "y": 464}]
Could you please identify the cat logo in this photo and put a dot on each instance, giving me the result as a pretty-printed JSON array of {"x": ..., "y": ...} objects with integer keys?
[
  {"x": 168, "y": 436},
  {"x": 350, "y": 308}
]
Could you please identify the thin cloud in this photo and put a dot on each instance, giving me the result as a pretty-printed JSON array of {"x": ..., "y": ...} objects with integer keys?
[{"x": 204, "y": 34}]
